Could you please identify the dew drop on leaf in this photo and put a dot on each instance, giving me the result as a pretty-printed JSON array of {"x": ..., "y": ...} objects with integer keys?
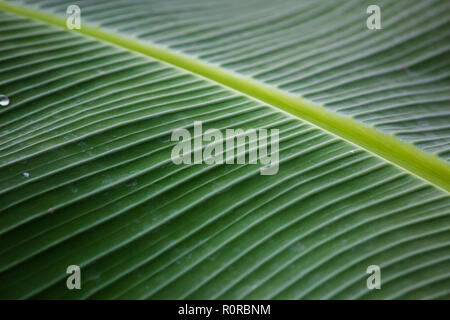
[{"x": 4, "y": 100}]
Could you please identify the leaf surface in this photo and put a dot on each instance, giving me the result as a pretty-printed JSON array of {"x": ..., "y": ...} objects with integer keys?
[{"x": 86, "y": 176}]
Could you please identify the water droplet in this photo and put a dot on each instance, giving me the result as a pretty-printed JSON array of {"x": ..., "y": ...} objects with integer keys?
[
  {"x": 26, "y": 174},
  {"x": 4, "y": 100}
]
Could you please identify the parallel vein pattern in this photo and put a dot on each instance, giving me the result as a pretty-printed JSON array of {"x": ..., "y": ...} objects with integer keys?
[
  {"x": 90, "y": 125},
  {"x": 396, "y": 78}
]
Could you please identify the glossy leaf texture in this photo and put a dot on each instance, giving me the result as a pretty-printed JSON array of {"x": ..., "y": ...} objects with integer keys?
[
  {"x": 86, "y": 176},
  {"x": 396, "y": 78}
]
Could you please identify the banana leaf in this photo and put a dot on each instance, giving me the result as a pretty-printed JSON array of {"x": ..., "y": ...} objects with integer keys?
[{"x": 87, "y": 179}]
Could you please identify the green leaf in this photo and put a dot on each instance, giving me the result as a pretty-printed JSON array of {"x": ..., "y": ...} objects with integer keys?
[{"x": 86, "y": 176}]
